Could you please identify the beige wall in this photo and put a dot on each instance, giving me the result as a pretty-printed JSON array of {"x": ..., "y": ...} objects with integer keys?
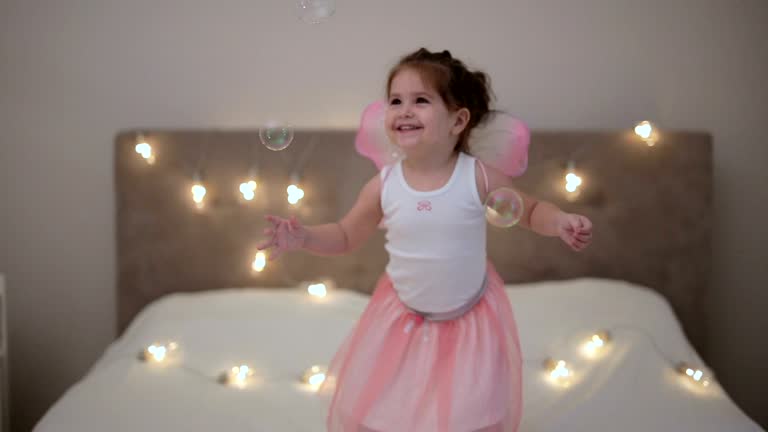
[{"x": 73, "y": 73}]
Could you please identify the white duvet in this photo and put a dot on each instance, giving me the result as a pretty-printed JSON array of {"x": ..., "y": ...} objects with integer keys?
[{"x": 631, "y": 386}]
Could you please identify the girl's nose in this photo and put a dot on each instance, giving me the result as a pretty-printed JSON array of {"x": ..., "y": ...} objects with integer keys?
[{"x": 407, "y": 112}]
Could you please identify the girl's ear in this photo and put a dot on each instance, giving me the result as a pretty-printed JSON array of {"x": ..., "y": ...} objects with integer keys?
[{"x": 461, "y": 122}]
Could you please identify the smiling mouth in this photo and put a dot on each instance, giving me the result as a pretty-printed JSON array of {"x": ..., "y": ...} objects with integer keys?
[{"x": 408, "y": 128}]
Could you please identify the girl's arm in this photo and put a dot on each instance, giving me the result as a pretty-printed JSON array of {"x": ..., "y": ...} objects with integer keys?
[
  {"x": 335, "y": 238},
  {"x": 353, "y": 229},
  {"x": 541, "y": 217}
]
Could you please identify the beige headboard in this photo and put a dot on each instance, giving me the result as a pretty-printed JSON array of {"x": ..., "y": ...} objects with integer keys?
[{"x": 651, "y": 207}]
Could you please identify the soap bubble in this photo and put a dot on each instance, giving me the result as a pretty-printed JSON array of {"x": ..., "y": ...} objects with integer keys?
[
  {"x": 315, "y": 11},
  {"x": 503, "y": 207},
  {"x": 275, "y": 136}
]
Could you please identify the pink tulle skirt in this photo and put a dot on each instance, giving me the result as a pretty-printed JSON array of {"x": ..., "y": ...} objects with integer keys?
[{"x": 397, "y": 371}]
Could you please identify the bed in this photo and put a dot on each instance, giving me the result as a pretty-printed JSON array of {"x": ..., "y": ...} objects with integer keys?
[{"x": 613, "y": 338}]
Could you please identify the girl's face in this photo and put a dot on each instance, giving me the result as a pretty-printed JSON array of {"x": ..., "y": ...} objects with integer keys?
[{"x": 417, "y": 119}]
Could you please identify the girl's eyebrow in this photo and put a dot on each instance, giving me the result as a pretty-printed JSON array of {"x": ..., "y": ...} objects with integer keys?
[{"x": 421, "y": 93}]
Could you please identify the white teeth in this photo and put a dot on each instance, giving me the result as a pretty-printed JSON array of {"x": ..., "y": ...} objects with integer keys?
[{"x": 407, "y": 127}]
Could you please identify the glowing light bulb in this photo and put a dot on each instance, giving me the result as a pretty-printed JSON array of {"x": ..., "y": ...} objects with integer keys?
[
  {"x": 573, "y": 178},
  {"x": 644, "y": 129},
  {"x": 295, "y": 194},
  {"x": 647, "y": 132},
  {"x": 314, "y": 376},
  {"x": 157, "y": 352},
  {"x": 317, "y": 290},
  {"x": 572, "y": 181},
  {"x": 238, "y": 376},
  {"x": 697, "y": 376},
  {"x": 259, "y": 261},
  {"x": 145, "y": 150},
  {"x": 198, "y": 194},
  {"x": 558, "y": 371},
  {"x": 596, "y": 343},
  {"x": 248, "y": 189}
]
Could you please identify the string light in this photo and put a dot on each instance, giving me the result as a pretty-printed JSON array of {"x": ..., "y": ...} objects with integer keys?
[
  {"x": 314, "y": 376},
  {"x": 259, "y": 262},
  {"x": 697, "y": 376},
  {"x": 573, "y": 181},
  {"x": 158, "y": 353},
  {"x": 647, "y": 132},
  {"x": 558, "y": 371},
  {"x": 295, "y": 193},
  {"x": 248, "y": 189},
  {"x": 198, "y": 191},
  {"x": 318, "y": 290},
  {"x": 294, "y": 190},
  {"x": 198, "y": 194},
  {"x": 596, "y": 343},
  {"x": 144, "y": 149},
  {"x": 238, "y": 376}
]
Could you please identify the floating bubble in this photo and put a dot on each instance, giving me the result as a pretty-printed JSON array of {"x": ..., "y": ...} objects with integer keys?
[
  {"x": 503, "y": 207},
  {"x": 315, "y": 11},
  {"x": 275, "y": 136}
]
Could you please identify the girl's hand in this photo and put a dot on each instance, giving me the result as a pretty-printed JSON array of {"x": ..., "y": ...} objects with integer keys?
[
  {"x": 285, "y": 235},
  {"x": 575, "y": 230}
]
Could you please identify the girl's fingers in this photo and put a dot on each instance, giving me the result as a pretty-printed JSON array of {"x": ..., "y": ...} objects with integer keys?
[
  {"x": 575, "y": 224},
  {"x": 580, "y": 245},
  {"x": 264, "y": 244},
  {"x": 274, "y": 219}
]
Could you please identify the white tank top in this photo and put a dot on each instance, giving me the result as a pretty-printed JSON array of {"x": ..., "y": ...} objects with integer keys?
[{"x": 435, "y": 239}]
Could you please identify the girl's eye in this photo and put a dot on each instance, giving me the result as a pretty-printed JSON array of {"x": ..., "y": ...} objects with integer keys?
[
  {"x": 421, "y": 100},
  {"x": 394, "y": 102}
]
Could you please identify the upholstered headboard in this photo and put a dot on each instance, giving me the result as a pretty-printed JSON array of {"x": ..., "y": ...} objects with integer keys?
[{"x": 651, "y": 207}]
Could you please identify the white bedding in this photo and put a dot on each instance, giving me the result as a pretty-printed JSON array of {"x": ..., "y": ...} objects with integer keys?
[{"x": 632, "y": 387}]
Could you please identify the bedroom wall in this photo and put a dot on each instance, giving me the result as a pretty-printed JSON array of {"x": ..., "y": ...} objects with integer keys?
[{"x": 74, "y": 73}]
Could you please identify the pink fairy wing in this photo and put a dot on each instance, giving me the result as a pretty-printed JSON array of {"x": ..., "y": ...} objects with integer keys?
[
  {"x": 371, "y": 140},
  {"x": 502, "y": 141}
]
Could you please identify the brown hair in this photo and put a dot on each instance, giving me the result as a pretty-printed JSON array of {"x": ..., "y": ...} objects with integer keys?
[{"x": 454, "y": 82}]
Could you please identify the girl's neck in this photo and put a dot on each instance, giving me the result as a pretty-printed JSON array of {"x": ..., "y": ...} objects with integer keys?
[
  {"x": 431, "y": 163},
  {"x": 429, "y": 174}
]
